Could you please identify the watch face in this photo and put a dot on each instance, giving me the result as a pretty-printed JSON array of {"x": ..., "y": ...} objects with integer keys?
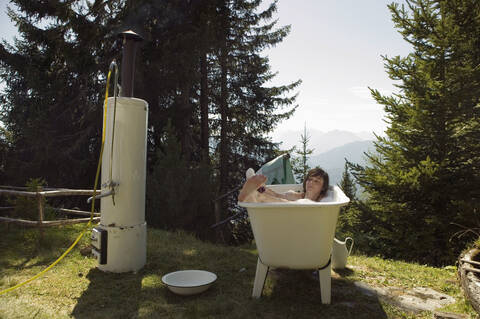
[{"x": 261, "y": 189}]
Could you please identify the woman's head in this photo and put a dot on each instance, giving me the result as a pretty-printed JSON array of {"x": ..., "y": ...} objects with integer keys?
[{"x": 315, "y": 185}]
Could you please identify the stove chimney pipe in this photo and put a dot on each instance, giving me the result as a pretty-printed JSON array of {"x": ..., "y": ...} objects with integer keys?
[{"x": 130, "y": 45}]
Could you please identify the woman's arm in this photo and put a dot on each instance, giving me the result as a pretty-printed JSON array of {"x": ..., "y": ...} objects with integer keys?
[
  {"x": 254, "y": 190},
  {"x": 290, "y": 195},
  {"x": 268, "y": 198}
]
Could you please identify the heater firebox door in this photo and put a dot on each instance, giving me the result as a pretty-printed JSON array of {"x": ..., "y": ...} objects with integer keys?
[{"x": 99, "y": 243}]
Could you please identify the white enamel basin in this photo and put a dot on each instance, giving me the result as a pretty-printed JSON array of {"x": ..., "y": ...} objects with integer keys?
[{"x": 189, "y": 282}]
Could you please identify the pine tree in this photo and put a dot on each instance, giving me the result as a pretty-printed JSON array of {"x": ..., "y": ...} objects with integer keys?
[
  {"x": 348, "y": 222},
  {"x": 300, "y": 162},
  {"x": 347, "y": 184},
  {"x": 168, "y": 70},
  {"x": 248, "y": 109},
  {"x": 423, "y": 175},
  {"x": 55, "y": 83}
]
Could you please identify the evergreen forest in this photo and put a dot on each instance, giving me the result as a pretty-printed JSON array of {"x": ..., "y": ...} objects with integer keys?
[{"x": 201, "y": 70}]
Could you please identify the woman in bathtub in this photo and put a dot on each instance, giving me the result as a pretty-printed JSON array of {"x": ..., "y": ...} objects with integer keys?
[{"x": 315, "y": 188}]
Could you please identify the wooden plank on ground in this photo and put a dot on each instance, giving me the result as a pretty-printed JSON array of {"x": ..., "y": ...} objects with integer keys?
[{"x": 476, "y": 263}]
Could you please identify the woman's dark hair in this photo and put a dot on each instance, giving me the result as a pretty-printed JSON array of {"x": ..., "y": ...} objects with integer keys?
[{"x": 317, "y": 172}]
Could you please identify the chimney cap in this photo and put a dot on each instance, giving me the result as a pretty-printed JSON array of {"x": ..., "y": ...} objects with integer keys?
[{"x": 130, "y": 34}]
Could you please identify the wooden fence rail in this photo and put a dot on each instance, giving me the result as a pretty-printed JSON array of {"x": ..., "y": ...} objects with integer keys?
[
  {"x": 49, "y": 193},
  {"x": 40, "y": 194}
]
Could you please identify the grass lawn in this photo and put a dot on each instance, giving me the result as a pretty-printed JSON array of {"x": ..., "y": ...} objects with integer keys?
[{"x": 76, "y": 288}]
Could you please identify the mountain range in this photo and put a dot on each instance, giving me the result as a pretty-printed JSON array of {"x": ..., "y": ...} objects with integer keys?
[
  {"x": 333, "y": 161},
  {"x": 320, "y": 141},
  {"x": 330, "y": 149}
]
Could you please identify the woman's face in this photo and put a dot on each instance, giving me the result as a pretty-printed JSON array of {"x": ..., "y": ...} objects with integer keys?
[{"x": 313, "y": 187}]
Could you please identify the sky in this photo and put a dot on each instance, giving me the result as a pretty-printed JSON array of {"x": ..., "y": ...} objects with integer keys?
[
  {"x": 7, "y": 27},
  {"x": 335, "y": 48}
]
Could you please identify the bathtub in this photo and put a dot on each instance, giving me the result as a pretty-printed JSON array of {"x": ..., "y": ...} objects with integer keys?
[{"x": 295, "y": 235}]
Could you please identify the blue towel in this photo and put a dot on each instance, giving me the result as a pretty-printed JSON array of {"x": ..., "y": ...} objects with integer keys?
[{"x": 278, "y": 171}]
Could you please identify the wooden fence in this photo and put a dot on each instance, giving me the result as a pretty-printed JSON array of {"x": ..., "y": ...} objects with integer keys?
[{"x": 42, "y": 193}]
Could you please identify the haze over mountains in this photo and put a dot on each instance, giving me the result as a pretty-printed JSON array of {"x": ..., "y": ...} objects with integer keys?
[
  {"x": 333, "y": 161},
  {"x": 330, "y": 148},
  {"x": 320, "y": 141}
]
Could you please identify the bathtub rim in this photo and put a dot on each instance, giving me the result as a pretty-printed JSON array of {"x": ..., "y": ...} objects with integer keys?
[
  {"x": 343, "y": 200},
  {"x": 292, "y": 204}
]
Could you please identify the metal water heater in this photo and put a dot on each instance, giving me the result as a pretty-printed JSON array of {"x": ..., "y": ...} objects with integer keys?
[{"x": 120, "y": 240}]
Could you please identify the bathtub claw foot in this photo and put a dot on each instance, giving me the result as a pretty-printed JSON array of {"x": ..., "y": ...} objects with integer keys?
[{"x": 260, "y": 277}]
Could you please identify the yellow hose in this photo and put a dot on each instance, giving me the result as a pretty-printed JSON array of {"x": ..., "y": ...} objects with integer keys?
[{"x": 93, "y": 201}]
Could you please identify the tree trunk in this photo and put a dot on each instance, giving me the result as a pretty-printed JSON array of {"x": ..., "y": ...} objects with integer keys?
[
  {"x": 224, "y": 149},
  {"x": 184, "y": 117},
  {"x": 223, "y": 124},
  {"x": 204, "y": 107}
]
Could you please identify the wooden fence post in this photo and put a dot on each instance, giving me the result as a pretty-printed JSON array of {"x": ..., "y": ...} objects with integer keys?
[{"x": 40, "y": 210}]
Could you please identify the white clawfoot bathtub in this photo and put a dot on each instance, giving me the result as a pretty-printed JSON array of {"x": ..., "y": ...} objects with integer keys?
[{"x": 295, "y": 235}]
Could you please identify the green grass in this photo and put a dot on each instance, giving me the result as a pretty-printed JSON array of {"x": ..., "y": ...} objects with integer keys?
[{"x": 76, "y": 288}]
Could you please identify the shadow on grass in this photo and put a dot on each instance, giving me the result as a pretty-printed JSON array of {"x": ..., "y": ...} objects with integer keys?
[
  {"x": 301, "y": 290},
  {"x": 25, "y": 248},
  {"x": 345, "y": 272},
  {"x": 109, "y": 295}
]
